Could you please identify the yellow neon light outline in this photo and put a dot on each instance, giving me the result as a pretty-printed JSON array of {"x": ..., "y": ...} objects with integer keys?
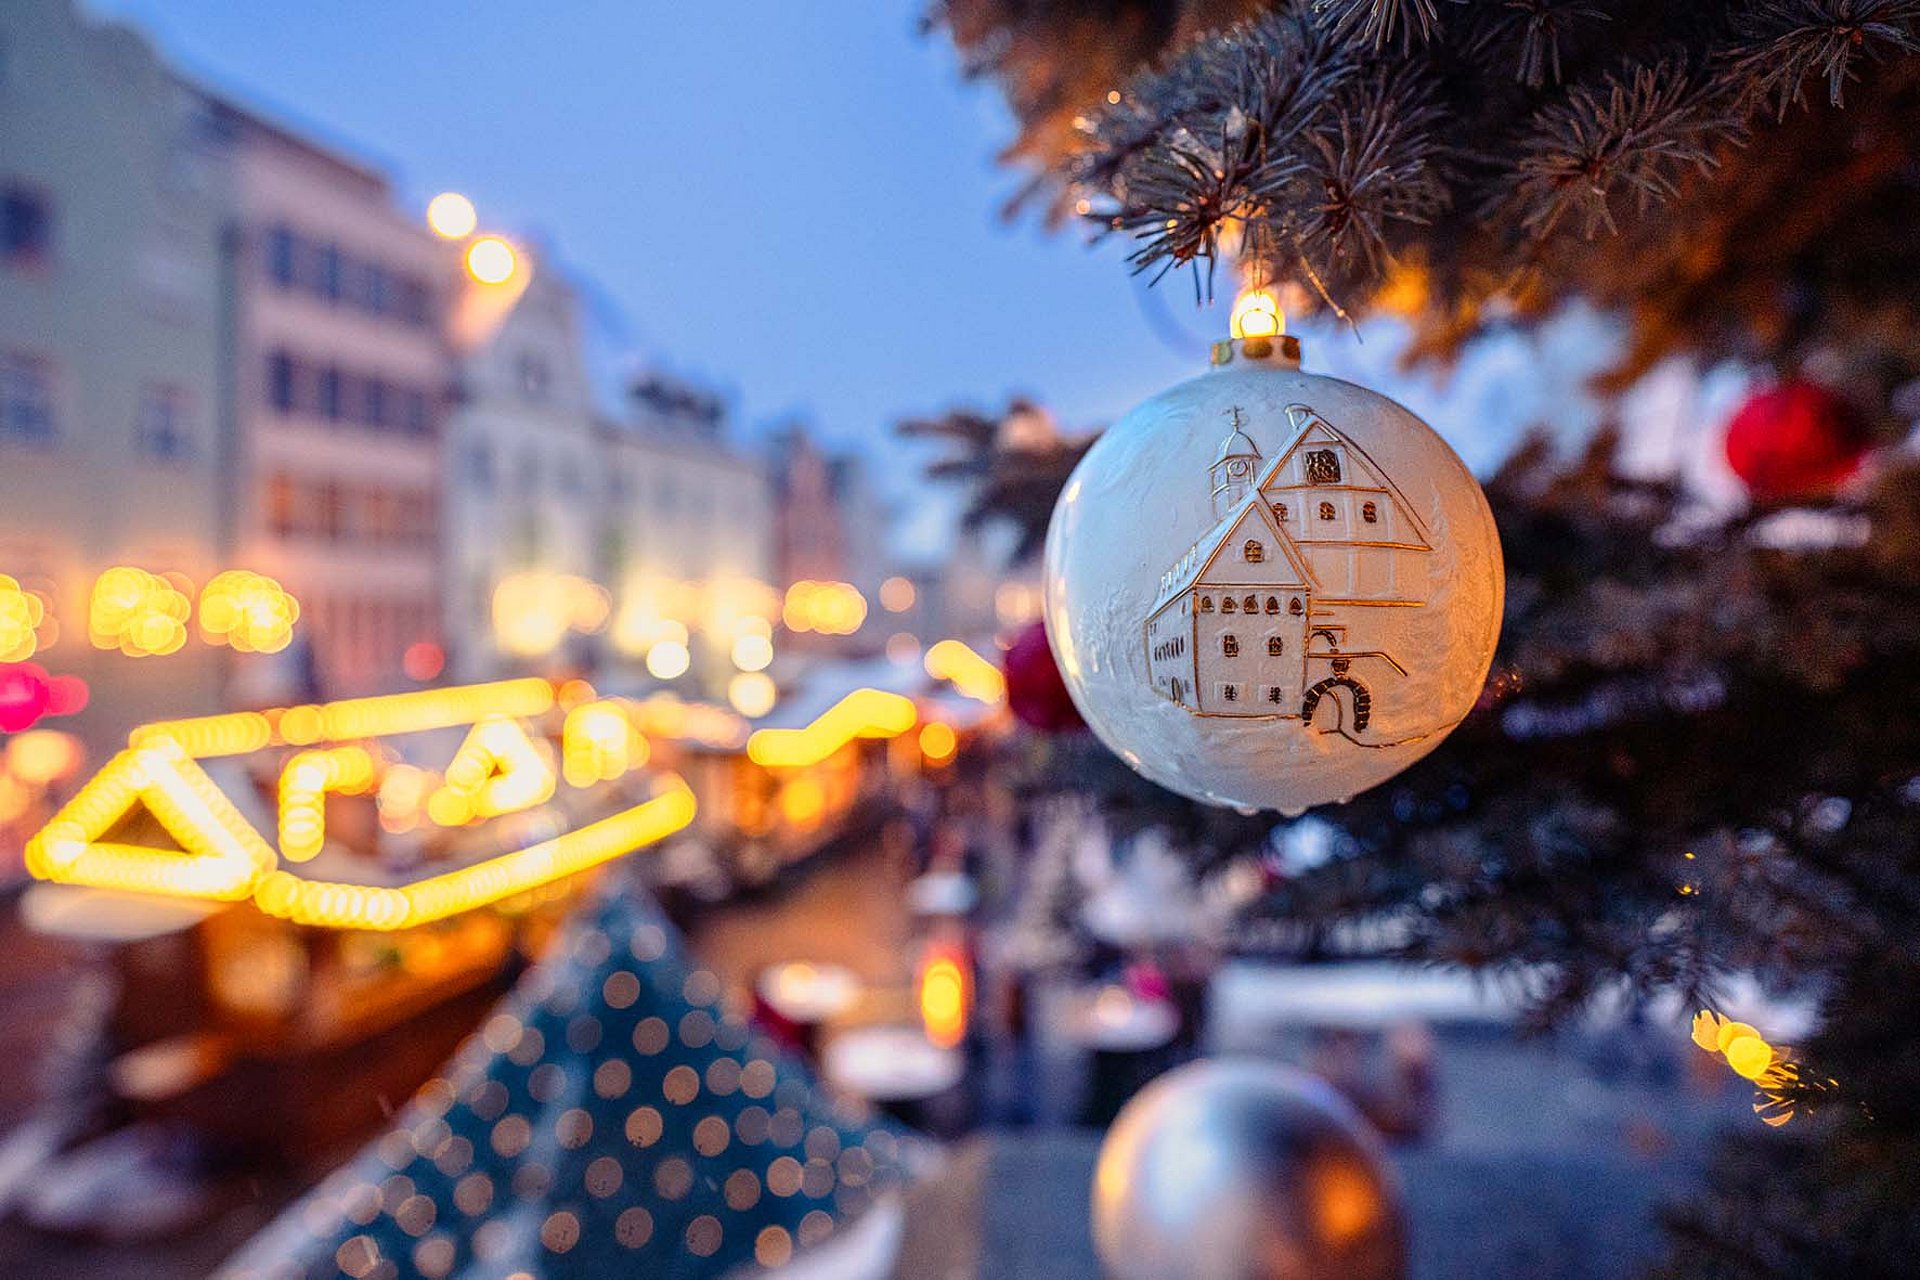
[
  {"x": 349, "y": 906},
  {"x": 973, "y": 675},
  {"x": 304, "y": 784},
  {"x": 239, "y": 732},
  {"x": 598, "y": 743},
  {"x": 864, "y": 713},
  {"x": 496, "y": 771},
  {"x": 221, "y": 856}
]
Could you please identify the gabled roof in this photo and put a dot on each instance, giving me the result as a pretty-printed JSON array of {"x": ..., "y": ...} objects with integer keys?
[
  {"x": 1311, "y": 428},
  {"x": 1192, "y": 568}
]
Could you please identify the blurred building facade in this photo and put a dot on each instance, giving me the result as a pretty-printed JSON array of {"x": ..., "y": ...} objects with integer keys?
[
  {"x": 691, "y": 533},
  {"x": 114, "y": 312},
  {"x": 526, "y": 490},
  {"x": 226, "y": 345},
  {"x": 340, "y": 375}
]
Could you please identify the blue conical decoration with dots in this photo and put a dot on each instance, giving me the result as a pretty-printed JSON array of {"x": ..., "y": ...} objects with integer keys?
[{"x": 609, "y": 1118}]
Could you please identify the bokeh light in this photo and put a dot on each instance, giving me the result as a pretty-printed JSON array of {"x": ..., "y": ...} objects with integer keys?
[
  {"x": 24, "y": 621},
  {"x": 1257, "y": 314},
  {"x": 452, "y": 215},
  {"x": 752, "y": 693},
  {"x": 249, "y": 611},
  {"x": 668, "y": 660},
  {"x": 491, "y": 260},
  {"x": 139, "y": 613}
]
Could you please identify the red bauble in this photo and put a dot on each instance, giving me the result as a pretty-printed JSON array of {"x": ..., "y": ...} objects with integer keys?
[
  {"x": 1035, "y": 691},
  {"x": 1796, "y": 440}
]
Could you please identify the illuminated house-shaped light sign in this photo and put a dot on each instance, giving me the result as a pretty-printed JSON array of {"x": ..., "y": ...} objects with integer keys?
[{"x": 111, "y": 835}]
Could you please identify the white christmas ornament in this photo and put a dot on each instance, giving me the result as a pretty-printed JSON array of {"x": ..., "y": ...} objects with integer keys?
[{"x": 1270, "y": 589}]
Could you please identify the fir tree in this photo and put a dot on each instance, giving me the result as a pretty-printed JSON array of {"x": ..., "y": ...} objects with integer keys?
[{"x": 1699, "y": 751}]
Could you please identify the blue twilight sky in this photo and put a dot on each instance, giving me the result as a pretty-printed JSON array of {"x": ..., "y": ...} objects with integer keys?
[{"x": 796, "y": 201}]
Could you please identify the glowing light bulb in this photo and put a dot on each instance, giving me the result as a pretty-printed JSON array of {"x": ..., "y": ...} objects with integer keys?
[
  {"x": 1257, "y": 314},
  {"x": 491, "y": 260},
  {"x": 452, "y": 215}
]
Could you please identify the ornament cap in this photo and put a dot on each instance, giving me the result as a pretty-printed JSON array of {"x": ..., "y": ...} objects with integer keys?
[{"x": 1283, "y": 350}]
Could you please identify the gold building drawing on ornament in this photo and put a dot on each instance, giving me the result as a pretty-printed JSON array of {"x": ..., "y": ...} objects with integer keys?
[{"x": 1283, "y": 609}]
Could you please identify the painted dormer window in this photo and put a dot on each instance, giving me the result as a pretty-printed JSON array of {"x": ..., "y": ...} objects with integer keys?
[
  {"x": 1273, "y": 605},
  {"x": 1295, "y": 608},
  {"x": 1206, "y": 604},
  {"x": 1228, "y": 606},
  {"x": 1323, "y": 466},
  {"x": 1251, "y": 604},
  {"x": 1326, "y": 511},
  {"x": 1370, "y": 512},
  {"x": 1254, "y": 551}
]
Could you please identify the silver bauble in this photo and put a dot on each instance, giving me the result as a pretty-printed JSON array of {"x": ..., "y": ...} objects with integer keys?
[
  {"x": 1244, "y": 1170},
  {"x": 1271, "y": 589}
]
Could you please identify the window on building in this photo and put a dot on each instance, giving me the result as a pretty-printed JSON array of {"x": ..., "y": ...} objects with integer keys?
[
  {"x": 333, "y": 511},
  {"x": 1230, "y": 646},
  {"x": 1206, "y": 604},
  {"x": 26, "y": 227},
  {"x": 413, "y": 412},
  {"x": 26, "y": 399},
  {"x": 1323, "y": 466},
  {"x": 1279, "y": 511},
  {"x": 413, "y": 302},
  {"x": 379, "y": 516},
  {"x": 281, "y": 392},
  {"x": 1273, "y": 693},
  {"x": 282, "y": 504},
  {"x": 1254, "y": 551},
  {"x": 282, "y": 248},
  {"x": 1326, "y": 511},
  {"x": 328, "y": 393},
  {"x": 162, "y": 429},
  {"x": 533, "y": 373},
  {"x": 1370, "y": 512},
  {"x": 1230, "y": 693},
  {"x": 1295, "y": 608},
  {"x": 1227, "y": 605},
  {"x": 375, "y": 400},
  {"x": 376, "y": 290},
  {"x": 330, "y": 273},
  {"x": 1251, "y": 604},
  {"x": 1274, "y": 646},
  {"x": 1273, "y": 605}
]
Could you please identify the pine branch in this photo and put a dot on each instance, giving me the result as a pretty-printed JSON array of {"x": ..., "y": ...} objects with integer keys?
[
  {"x": 1532, "y": 33},
  {"x": 1785, "y": 43},
  {"x": 1636, "y": 137},
  {"x": 1380, "y": 22}
]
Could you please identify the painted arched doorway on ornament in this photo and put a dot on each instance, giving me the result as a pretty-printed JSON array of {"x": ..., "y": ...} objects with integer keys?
[{"x": 1361, "y": 702}]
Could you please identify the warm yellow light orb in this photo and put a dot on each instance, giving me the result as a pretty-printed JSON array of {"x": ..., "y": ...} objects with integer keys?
[
  {"x": 937, "y": 742},
  {"x": 1257, "y": 314},
  {"x": 491, "y": 260},
  {"x": 752, "y": 652},
  {"x": 1749, "y": 1056},
  {"x": 752, "y": 693},
  {"x": 668, "y": 660},
  {"x": 451, "y": 215}
]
